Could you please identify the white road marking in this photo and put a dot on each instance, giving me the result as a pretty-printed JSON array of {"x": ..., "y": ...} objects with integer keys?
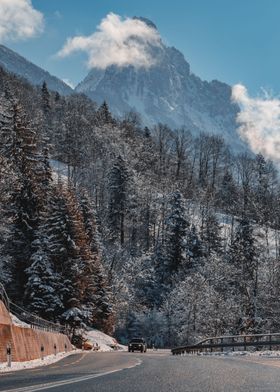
[
  {"x": 132, "y": 366},
  {"x": 50, "y": 385}
]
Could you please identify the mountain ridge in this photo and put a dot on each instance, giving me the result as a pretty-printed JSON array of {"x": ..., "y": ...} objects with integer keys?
[
  {"x": 17, "y": 64},
  {"x": 167, "y": 92}
]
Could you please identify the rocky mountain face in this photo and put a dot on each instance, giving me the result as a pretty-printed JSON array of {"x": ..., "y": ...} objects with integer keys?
[
  {"x": 14, "y": 63},
  {"x": 167, "y": 92}
]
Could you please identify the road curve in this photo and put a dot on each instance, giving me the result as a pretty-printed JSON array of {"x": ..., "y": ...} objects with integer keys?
[{"x": 158, "y": 372}]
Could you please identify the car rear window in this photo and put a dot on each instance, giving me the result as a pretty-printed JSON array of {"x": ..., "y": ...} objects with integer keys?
[{"x": 137, "y": 341}]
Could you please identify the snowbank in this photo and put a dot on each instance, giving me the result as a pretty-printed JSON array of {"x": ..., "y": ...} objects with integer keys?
[
  {"x": 105, "y": 342},
  {"x": 265, "y": 354},
  {"x": 18, "y": 322},
  {"x": 48, "y": 360}
]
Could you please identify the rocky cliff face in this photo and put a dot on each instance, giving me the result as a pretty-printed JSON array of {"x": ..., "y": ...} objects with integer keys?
[
  {"x": 167, "y": 92},
  {"x": 14, "y": 63}
]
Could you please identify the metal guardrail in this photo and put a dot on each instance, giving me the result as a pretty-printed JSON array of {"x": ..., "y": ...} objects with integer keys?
[
  {"x": 35, "y": 321},
  {"x": 4, "y": 297},
  {"x": 232, "y": 342},
  {"x": 32, "y": 320}
]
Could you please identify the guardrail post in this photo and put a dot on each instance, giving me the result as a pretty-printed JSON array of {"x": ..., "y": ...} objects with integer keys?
[
  {"x": 65, "y": 346},
  {"x": 270, "y": 339},
  {"x": 232, "y": 341},
  {"x": 9, "y": 355},
  {"x": 54, "y": 349},
  {"x": 245, "y": 346},
  {"x": 42, "y": 352},
  {"x": 257, "y": 339},
  {"x": 222, "y": 341}
]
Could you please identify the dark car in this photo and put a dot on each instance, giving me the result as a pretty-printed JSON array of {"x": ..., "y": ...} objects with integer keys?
[{"x": 137, "y": 344}]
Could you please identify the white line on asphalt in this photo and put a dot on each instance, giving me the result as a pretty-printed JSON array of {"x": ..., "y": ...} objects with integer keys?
[{"x": 50, "y": 385}]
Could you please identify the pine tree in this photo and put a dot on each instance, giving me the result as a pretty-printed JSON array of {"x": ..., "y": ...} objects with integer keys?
[
  {"x": 45, "y": 98},
  {"x": 7, "y": 182},
  {"x": 68, "y": 250},
  {"x": 57, "y": 97},
  {"x": 88, "y": 214},
  {"x": 265, "y": 189},
  {"x": 243, "y": 256},
  {"x": 211, "y": 234},
  {"x": 118, "y": 199},
  {"x": 194, "y": 249},
  {"x": 161, "y": 275},
  {"x": 44, "y": 290},
  {"x": 85, "y": 293},
  {"x": 27, "y": 196},
  {"x": 104, "y": 115},
  {"x": 147, "y": 132},
  {"x": 102, "y": 313},
  {"x": 228, "y": 195},
  {"x": 176, "y": 231}
]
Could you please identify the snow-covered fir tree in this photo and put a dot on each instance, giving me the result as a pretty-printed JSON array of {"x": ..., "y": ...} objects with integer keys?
[
  {"x": 243, "y": 255},
  {"x": 176, "y": 226},
  {"x": 118, "y": 199}
]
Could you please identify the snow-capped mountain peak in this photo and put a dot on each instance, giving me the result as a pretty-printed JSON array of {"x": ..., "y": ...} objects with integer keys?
[{"x": 167, "y": 92}]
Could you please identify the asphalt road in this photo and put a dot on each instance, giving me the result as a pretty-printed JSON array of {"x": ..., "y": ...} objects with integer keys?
[{"x": 150, "y": 372}]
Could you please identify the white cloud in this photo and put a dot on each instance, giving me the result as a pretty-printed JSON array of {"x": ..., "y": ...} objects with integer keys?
[
  {"x": 259, "y": 121},
  {"x": 117, "y": 41},
  {"x": 19, "y": 20}
]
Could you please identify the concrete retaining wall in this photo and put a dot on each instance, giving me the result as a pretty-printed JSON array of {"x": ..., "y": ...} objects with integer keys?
[
  {"x": 5, "y": 317},
  {"x": 26, "y": 343}
]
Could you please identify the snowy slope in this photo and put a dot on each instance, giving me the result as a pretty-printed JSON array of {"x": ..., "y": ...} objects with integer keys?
[
  {"x": 105, "y": 342},
  {"x": 14, "y": 63},
  {"x": 167, "y": 92},
  {"x": 59, "y": 170},
  {"x": 18, "y": 322}
]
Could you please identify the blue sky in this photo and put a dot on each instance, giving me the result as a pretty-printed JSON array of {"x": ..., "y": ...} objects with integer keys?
[{"x": 230, "y": 40}]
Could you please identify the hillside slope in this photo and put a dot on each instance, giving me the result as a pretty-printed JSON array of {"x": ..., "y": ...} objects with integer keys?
[{"x": 14, "y": 63}]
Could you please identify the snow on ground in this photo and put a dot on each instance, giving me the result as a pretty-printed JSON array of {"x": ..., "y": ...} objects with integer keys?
[
  {"x": 59, "y": 167},
  {"x": 17, "y": 322},
  {"x": 60, "y": 170},
  {"x": 266, "y": 354},
  {"x": 48, "y": 360},
  {"x": 105, "y": 342}
]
